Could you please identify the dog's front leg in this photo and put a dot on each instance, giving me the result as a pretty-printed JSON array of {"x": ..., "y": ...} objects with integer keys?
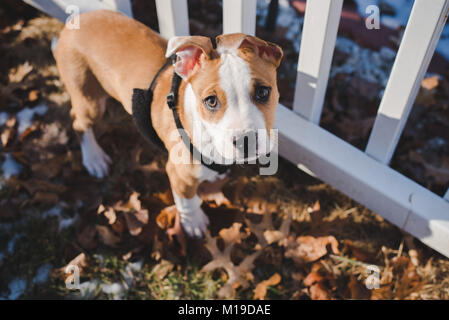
[{"x": 184, "y": 187}]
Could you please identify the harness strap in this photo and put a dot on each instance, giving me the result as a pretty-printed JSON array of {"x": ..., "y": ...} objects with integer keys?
[
  {"x": 172, "y": 102},
  {"x": 141, "y": 109},
  {"x": 141, "y": 112}
]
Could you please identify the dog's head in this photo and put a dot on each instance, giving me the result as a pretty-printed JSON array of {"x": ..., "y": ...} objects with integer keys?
[{"x": 232, "y": 94}]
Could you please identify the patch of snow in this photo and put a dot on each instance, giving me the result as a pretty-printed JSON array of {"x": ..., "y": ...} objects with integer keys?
[
  {"x": 287, "y": 18},
  {"x": 100, "y": 258},
  {"x": 12, "y": 243},
  {"x": 372, "y": 66},
  {"x": 66, "y": 222},
  {"x": 53, "y": 212},
  {"x": 26, "y": 115},
  {"x": 10, "y": 166},
  {"x": 5, "y": 227},
  {"x": 4, "y": 116},
  {"x": 436, "y": 143},
  {"x": 56, "y": 211},
  {"x": 443, "y": 46},
  {"x": 16, "y": 288},
  {"x": 128, "y": 276},
  {"x": 116, "y": 290},
  {"x": 42, "y": 273},
  {"x": 136, "y": 266},
  {"x": 88, "y": 289}
]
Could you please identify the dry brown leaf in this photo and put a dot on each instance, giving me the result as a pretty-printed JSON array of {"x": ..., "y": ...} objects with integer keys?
[
  {"x": 136, "y": 221},
  {"x": 87, "y": 237},
  {"x": 45, "y": 198},
  {"x": 165, "y": 197},
  {"x": 174, "y": 229},
  {"x": 314, "y": 277},
  {"x": 273, "y": 236},
  {"x": 319, "y": 292},
  {"x": 162, "y": 269},
  {"x": 261, "y": 289},
  {"x": 259, "y": 229},
  {"x": 19, "y": 73},
  {"x": 359, "y": 253},
  {"x": 166, "y": 218},
  {"x": 35, "y": 185},
  {"x": 50, "y": 168},
  {"x": 119, "y": 226},
  {"x": 7, "y": 210},
  {"x": 107, "y": 236},
  {"x": 430, "y": 83},
  {"x": 238, "y": 275},
  {"x": 108, "y": 212},
  {"x": 308, "y": 249},
  {"x": 147, "y": 169},
  {"x": 231, "y": 235},
  {"x": 79, "y": 261},
  {"x": 8, "y": 133},
  {"x": 357, "y": 290},
  {"x": 212, "y": 191},
  {"x": 440, "y": 173},
  {"x": 33, "y": 95},
  {"x": 136, "y": 217},
  {"x": 316, "y": 207}
]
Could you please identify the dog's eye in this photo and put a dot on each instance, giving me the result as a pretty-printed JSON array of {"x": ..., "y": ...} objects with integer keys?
[
  {"x": 211, "y": 102},
  {"x": 262, "y": 93}
]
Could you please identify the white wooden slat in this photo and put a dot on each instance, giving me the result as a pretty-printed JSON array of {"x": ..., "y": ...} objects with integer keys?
[
  {"x": 57, "y": 8},
  {"x": 173, "y": 17},
  {"x": 378, "y": 187},
  {"x": 123, "y": 6},
  {"x": 416, "y": 50},
  {"x": 239, "y": 16},
  {"x": 315, "y": 56}
]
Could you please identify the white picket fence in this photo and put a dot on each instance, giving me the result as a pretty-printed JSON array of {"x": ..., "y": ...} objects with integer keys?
[{"x": 363, "y": 176}]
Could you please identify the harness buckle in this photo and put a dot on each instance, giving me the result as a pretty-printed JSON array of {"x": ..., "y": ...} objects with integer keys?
[{"x": 171, "y": 100}]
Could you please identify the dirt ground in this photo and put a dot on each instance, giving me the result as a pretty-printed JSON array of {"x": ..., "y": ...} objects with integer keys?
[{"x": 287, "y": 236}]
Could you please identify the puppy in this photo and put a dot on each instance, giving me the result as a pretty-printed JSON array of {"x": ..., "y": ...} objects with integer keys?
[{"x": 224, "y": 93}]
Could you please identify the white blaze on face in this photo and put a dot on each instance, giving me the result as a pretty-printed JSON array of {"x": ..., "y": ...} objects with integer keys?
[{"x": 241, "y": 114}]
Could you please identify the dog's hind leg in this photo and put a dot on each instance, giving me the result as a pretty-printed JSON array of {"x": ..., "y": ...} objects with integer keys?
[
  {"x": 95, "y": 159},
  {"x": 85, "y": 112},
  {"x": 88, "y": 100}
]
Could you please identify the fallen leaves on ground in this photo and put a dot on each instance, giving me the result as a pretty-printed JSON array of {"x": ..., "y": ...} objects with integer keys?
[
  {"x": 136, "y": 217},
  {"x": 239, "y": 274},
  {"x": 308, "y": 249},
  {"x": 261, "y": 289},
  {"x": 260, "y": 226}
]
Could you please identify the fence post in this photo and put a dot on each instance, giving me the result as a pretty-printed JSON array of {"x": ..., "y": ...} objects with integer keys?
[
  {"x": 315, "y": 56},
  {"x": 239, "y": 16},
  {"x": 415, "y": 52},
  {"x": 173, "y": 17}
]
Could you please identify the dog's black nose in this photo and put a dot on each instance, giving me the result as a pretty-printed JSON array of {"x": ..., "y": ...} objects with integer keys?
[{"x": 246, "y": 143}]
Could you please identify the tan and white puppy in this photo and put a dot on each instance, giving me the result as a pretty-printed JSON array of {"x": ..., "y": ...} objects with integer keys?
[{"x": 225, "y": 94}]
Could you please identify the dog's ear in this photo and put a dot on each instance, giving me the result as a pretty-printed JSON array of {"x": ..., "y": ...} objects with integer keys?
[
  {"x": 245, "y": 43},
  {"x": 190, "y": 52}
]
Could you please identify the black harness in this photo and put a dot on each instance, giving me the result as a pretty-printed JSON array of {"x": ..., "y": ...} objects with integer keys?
[{"x": 141, "y": 109}]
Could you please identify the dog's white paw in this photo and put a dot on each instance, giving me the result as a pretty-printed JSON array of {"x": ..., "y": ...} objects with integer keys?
[
  {"x": 95, "y": 160},
  {"x": 194, "y": 223}
]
